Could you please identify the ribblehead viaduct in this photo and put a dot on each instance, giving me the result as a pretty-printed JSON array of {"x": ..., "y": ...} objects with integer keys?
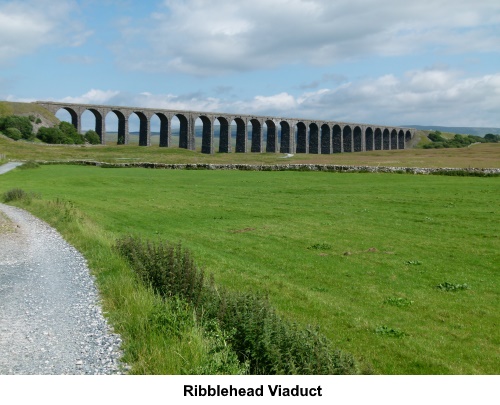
[{"x": 253, "y": 133}]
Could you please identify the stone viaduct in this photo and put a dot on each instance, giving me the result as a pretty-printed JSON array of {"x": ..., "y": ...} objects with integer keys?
[{"x": 267, "y": 134}]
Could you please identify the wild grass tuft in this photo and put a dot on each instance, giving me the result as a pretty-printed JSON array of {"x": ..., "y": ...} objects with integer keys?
[
  {"x": 413, "y": 263},
  {"x": 390, "y": 332},
  {"x": 446, "y": 286},
  {"x": 398, "y": 301},
  {"x": 320, "y": 246}
]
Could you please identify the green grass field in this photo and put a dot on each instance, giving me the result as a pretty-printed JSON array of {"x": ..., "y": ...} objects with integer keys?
[{"x": 359, "y": 254}]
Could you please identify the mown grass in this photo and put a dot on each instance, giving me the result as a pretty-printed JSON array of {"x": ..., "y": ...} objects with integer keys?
[{"x": 327, "y": 248}]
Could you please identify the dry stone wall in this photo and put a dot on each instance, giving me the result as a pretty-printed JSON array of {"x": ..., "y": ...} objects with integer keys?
[{"x": 290, "y": 167}]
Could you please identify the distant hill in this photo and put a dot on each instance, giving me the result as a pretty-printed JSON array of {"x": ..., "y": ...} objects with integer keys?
[{"x": 479, "y": 131}]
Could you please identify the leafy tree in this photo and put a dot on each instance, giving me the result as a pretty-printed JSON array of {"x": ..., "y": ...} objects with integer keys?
[
  {"x": 92, "y": 137},
  {"x": 492, "y": 138},
  {"x": 64, "y": 133},
  {"x": 71, "y": 133},
  {"x": 475, "y": 138},
  {"x": 51, "y": 135},
  {"x": 458, "y": 141}
]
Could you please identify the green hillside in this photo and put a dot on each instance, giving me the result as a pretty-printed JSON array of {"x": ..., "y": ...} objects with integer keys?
[{"x": 25, "y": 109}]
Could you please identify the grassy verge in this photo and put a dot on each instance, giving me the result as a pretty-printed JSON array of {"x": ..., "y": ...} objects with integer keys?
[{"x": 361, "y": 255}]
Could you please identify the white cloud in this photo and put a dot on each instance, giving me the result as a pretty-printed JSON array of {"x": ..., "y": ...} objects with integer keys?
[
  {"x": 25, "y": 26},
  {"x": 199, "y": 37},
  {"x": 418, "y": 97},
  {"x": 93, "y": 97}
]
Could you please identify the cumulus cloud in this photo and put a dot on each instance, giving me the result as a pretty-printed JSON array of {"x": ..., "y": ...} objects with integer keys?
[
  {"x": 204, "y": 38},
  {"x": 93, "y": 97},
  {"x": 429, "y": 96},
  {"x": 418, "y": 97},
  {"x": 25, "y": 26}
]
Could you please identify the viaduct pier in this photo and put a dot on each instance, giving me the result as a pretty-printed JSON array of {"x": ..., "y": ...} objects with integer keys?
[{"x": 253, "y": 133}]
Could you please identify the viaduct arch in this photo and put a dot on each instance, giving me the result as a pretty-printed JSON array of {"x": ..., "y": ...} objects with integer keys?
[{"x": 253, "y": 133}]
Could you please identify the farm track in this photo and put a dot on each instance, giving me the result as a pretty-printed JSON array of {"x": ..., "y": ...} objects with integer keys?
[{"x": 50, "y": 316}]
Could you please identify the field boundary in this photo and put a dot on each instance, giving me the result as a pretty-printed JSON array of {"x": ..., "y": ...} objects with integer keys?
[{"x": 485, "y": 172}]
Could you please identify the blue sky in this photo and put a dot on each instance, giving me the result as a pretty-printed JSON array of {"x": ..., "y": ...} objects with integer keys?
[{"x": 373, "y": 61}]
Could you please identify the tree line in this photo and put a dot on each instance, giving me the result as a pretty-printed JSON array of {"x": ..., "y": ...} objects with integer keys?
[{"x": 458, "y": 141}]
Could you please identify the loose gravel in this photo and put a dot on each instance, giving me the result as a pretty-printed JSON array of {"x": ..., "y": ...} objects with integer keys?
[
  {"x": 51, "y": 320},
  {"x": 7, "y": 167}
]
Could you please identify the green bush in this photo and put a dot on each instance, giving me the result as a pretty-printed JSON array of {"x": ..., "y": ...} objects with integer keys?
[
  {"x": 23, "y": 124},
  {"x": 92, "y": 137},
  {"x": 436, "y": 137},
  {"x": 458, "y": 141},
  {"x": 13, "y": 133},
  {"x": 51, "y": 135},
  {"x": 71, "y": 133},
  {"x": 64, "y": 133}
]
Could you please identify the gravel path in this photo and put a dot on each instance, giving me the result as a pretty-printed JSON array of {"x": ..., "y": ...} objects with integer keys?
[
  {"x": 7, "y": 167},
  {"x": 50, "y": 318}
]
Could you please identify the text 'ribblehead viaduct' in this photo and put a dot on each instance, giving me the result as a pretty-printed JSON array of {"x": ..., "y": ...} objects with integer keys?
[{"x": 252, "y": 133}]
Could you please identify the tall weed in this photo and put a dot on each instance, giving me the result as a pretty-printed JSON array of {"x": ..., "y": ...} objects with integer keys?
[{"x": 167, "y": 268}]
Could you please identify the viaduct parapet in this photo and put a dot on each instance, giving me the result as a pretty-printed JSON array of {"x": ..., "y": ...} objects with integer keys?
[{"x": 253, "y": 133}]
